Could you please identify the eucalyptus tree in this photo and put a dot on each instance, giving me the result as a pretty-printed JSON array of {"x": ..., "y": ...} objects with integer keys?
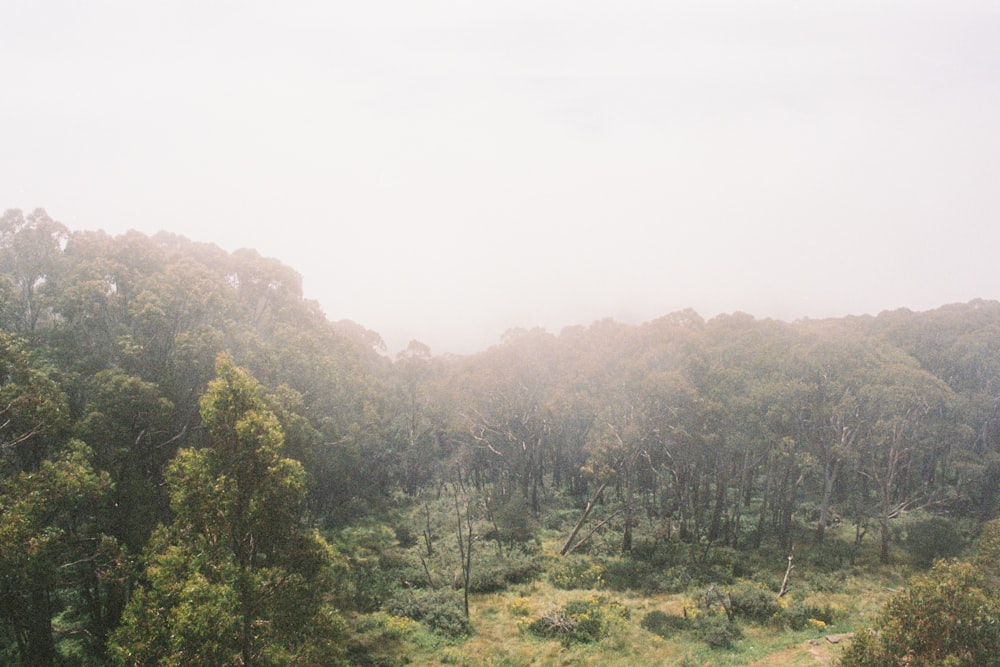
[
  {"x": 131, "y": 426},
  {"x": 31, "y": 250},
  {"x": 48, "y": 545},
  {"x": 418, "y": 420},
  {"x": 34, "y": 412},
  {"x": 907, "y": 440},
  {"x": 833, "y": 370},
  {"x": 502, "y": 415},
  {"x": 50, "y": 497},
  {"x": 233, "y": 579},
  {"x": 90, "y": 302}
]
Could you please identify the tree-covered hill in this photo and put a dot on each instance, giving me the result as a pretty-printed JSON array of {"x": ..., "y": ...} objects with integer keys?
[{"x": 613, "y": 442}]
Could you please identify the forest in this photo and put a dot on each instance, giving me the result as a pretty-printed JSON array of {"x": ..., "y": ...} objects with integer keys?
[{"x": 198, "y": 467}]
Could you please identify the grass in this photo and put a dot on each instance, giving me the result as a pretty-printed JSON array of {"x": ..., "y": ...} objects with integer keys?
[
  {"x": 853, "y": 588},
  {"x": 500, "y": 637}
]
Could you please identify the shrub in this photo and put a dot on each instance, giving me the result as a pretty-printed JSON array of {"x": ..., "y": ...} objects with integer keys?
[
  {"x": 405, "y": 536},
  {"x": 556, "y": 519},
  {"x": 515, "y": 521},
  {"x": 753, "y": 602},
  {"x": 824, "y": 582},
  {"x": 576, "y": 573},
  {"x": 493, "y": 572},
  {"x": 933, "y": 538},
  {"x": 675, "y": 579},
  {"x": 371, "y": 556},
  {"x": 658, "y": 553},
  {"x": 441, "y": 611},
  {"x": 831, "y": 556},
  {"x": 801, "y": 616},
  {"x": 711, "y": 572},
  {"x": 951, "y": 617},
  {"x": 663, "y": 624},
  {"x": 579, "y": 621},
  {"x": 625, "y": 574},
  {"x": 716, "y": 630}
]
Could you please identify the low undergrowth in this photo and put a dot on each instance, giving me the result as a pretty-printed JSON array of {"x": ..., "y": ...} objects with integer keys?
[{"x": 665, "y": 603}]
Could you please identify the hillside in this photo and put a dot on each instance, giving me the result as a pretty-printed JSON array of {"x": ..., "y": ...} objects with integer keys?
[{"x": 561, "y": 488}]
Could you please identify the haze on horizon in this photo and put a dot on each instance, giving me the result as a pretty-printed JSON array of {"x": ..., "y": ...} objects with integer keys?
[{"x": 445, "y": 171}]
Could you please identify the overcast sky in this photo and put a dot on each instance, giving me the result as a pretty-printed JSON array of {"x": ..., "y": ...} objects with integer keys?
[{"x": 447, "y": 170}]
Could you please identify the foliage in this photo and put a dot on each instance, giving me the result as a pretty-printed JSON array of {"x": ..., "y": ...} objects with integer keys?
[
  {"x": 678, "y": 453},
  {"x": 987, "y": 554},
  {"x": 576, "y": 572},
  {"x": 586, "y": 620},
  {"x": 949, "y": 617},
  {"x": 514, "y": 521},
  {"x": 753, "y": 601},
  {"x": 663, "y": 624},
  {"x": 495, "y": 572},
  {"x": 441, "y": 611},
  {"x": 371, "y": 561},
  {"x": 932, "y": 538},
  {"x": 233, "y": 578},
  {"x": 800, "y": 615},
  {"x": 519, "y": 607},
  {"x": 378, "y": 639},
  {"x": 630, "y": 574},
  {"x": 46, "y": 543},
  {"x": 716, "y": 630}
]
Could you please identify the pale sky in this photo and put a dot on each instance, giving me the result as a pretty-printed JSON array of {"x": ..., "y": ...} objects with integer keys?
[{"x": 447, "y": 170}]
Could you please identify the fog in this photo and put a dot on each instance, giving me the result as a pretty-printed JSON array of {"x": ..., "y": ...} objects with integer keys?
[{"x": 448, "y": 170}]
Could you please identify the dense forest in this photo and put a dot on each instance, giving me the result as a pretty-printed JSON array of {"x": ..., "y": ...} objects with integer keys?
[{"x": 198, "y": 467}]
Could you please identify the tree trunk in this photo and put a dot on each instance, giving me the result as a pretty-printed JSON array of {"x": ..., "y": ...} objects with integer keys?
[
  {"x": 715, "y": 526},
  {"x": 465, "y": 550},
  {"x": 829, "y": 479},
  {"x": 579, "y": 524},
  {"x": 40, "y": 648},
  {"x": 883, "y": 553},
  {"x": 627, "y": 532}
]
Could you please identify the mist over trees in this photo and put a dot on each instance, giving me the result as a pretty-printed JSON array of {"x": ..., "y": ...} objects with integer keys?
[{"x": 193, "y": 456}]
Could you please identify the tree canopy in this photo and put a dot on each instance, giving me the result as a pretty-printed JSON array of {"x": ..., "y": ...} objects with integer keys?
[{"x": 177, "y": 423}]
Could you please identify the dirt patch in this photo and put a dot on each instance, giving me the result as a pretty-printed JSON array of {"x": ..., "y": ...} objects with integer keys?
[{"x": 820, "y": 651}]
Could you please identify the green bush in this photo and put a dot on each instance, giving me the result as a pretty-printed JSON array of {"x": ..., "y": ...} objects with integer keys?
[
  {"x": 800, "y": 616},
  {"x": 716, "y": 566},
  {"x": 371, "y": 557},
  {"x": 579, "y": 621},
  {"x": 826, "y": 582},
  {"x": 659, "y": 553},
  {"x": 951, "y": 617},
  {"x": 441, "y": 611},
  {"x": 559, "y": 519},
  {"x": 675, "y": 579},
  {"x": 716, "y": 630},
  {"x": 492, "y": 572},
  {"x": 753, "y": 601},
  {"x": 831, "y": 556},
  {"x": 629, "y": 574},
  {"x": 663, "y": 624},
  {"x": 575, "y": 573},
  {"x": 933, "y": 538},
  {"x": 515, "y": 521}
]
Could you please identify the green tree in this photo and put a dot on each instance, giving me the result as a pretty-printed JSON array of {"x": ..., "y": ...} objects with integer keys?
[
  {"x": 30, "y": 252},
  {"x": 129, "y": 425},
  {"x": 45, "y": 544},
  {"x": 33, "y": 411},
  {"x": 234, "y": 580},
  {"x": 951, "y": 617}
]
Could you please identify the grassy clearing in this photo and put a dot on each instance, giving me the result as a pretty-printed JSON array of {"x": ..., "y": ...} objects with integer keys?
[
  {"x": 500, "y": 634},
  {"x": 532, "y": 623}
]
